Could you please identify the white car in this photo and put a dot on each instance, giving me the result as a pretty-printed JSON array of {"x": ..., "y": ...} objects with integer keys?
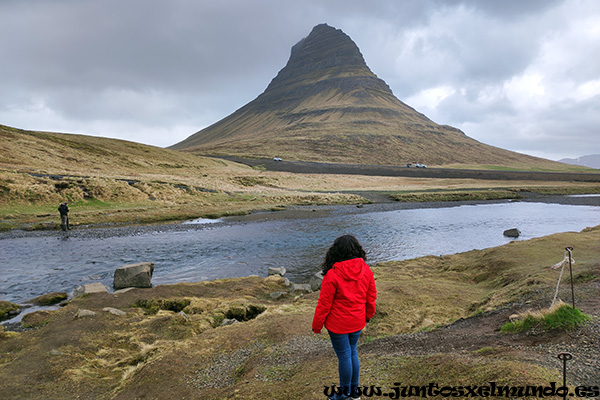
[{"x": 277, "y": 159}]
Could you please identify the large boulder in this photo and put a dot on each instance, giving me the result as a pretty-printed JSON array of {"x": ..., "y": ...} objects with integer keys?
[{"x": 134, "y": 275}]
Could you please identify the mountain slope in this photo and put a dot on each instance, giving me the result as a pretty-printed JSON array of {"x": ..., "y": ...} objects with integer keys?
[
  {"x": 591, "y": 161},
  {"x": 327, "y": 105},
  {"x": 60, "y": 153}
]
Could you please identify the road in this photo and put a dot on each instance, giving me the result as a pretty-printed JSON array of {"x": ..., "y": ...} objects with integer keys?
[{"x": 306, "y": 167}]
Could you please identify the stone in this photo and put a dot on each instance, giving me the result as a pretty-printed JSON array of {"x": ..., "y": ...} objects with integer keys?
[
  {"x": 278, "y": 295},
  {"x": 82, "y": 313},
  {"x": 275, "y": 280},
  {"x": 90, "y": 288},
  {"x": 315, "y": 281},
  {"x": 229, "y": 321},
  {"x": 120, "y": 291},
  {"x": 134, "y": 275},
  {"x": 8, "y": 309},
  {"x": 277, "y": 271},
  {"x": 301, "y": 287},
  {"x": 184, "y": 315},
  {"x": 114, "y": 311},
  {"x": 49, "y": 299},
  {"x": 514, "y": 232},
  {"x": 37, "y": 319}
]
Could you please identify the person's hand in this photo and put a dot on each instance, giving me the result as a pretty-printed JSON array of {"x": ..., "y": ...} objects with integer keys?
[{"x": 317, "y": 331}]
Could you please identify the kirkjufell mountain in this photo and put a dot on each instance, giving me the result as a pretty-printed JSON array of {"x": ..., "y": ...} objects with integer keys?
[{"x": 326, "y": 105}]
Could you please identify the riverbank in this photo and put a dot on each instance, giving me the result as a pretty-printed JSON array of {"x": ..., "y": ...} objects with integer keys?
[
  {"x": 437, "y": 320},
  {"x": 372, "y": 201},
  {"x": 29, "y": 201}
]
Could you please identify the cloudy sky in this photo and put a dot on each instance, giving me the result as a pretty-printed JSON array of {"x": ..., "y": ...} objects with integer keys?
[{"x": 521, "y": 75}]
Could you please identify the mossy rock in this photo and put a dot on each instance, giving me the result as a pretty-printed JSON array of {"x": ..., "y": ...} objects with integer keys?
[
  {"x": 49, "y": 299},
  {"x": 5, "y": 335},
  {"x": 152, "y": 306},
  {"x": 8, "y": 309},
  {"x": 244, "y": 313},
  {"x": 216, "y": 318},
  {"x": 236, "y": 311},
  {"x": 37, "y": 319}
]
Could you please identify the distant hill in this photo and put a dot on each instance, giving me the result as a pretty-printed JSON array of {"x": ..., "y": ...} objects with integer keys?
[
  {"x": 327, "y": 105},
  {"x": 591, "y": 161},
  {"x": 60, "y": 153}
]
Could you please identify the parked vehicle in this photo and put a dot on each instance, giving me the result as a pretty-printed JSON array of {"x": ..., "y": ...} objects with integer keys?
[{"x": 277, "y": 159}]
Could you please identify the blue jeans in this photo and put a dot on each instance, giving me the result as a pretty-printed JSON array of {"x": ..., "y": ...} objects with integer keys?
[{"x": 344, "y": 346}]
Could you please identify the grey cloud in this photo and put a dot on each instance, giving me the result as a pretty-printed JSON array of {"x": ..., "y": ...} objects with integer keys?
[{"x": 154, "y": 66}]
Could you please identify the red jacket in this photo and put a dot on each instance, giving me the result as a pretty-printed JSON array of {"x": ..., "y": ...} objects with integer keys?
[{"x": 347, "y": 298}]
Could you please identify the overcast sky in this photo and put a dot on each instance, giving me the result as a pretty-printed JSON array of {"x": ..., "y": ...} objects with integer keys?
[{"x": 523, "y": 75}]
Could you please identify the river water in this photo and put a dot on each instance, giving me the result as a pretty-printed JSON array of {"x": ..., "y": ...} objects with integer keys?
[{"x": 38, "y": 263}]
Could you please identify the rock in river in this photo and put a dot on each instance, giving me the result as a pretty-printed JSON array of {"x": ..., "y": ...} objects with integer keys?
[
  {"x": 514, "y": 232},
  {"x": 277, "y": 271},
  {"x": 49, "y": 299},
  {"x": 134, "y": 275}
]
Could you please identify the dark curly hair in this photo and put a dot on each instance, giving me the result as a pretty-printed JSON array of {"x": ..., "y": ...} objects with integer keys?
[{"x": 344, "y": 248}]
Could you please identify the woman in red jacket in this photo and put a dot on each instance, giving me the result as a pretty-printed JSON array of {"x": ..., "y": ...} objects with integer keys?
[{"x": 346, "y": 304}]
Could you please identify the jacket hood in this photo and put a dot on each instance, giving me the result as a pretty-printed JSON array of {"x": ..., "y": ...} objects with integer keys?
[{"x": 350, "y": 270}]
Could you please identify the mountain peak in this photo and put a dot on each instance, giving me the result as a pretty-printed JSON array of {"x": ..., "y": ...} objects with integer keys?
[
  {"x": 326, "y": 104},
  {"x": 324, "y": 49},
  {"x": 327, "y": 59}
]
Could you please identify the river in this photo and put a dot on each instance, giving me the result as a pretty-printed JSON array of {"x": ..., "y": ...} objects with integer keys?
[{"x": 36, "y": 263}]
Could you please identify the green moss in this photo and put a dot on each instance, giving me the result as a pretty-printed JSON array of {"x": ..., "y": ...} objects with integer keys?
[
  {"x": 7, "y": 309},
  {"x": 216, "y": 319},
  {"x": 563, "y": 318},
  {"x": 37, "y": 319},
  {"x": 152, "y": 306},
  {"x": 50, "y": 299},
  {"x": 243, "y": 313},
  {"x": 479, "y": 195}
]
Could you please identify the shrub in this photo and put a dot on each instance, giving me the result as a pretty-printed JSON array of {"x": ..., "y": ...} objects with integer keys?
[
  {"x": 152, "y": 306},
  {"x": 563, "y": 317}
]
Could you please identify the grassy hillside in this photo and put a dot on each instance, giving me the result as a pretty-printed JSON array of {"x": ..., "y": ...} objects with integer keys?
[
  {"x": 116, "y": 181},
  {"x": 69, "y": 154}
]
